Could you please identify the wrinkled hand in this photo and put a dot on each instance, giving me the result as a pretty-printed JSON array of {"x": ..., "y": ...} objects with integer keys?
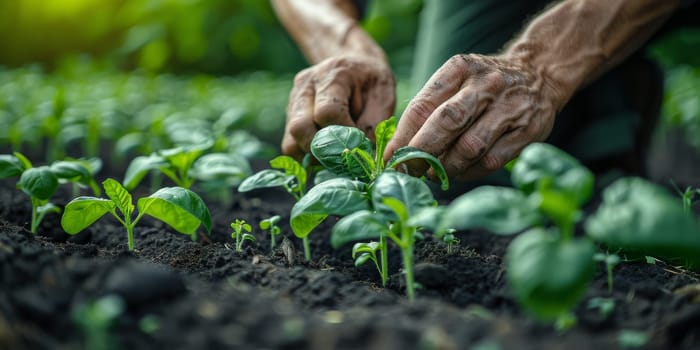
[
  {"x": 475, "y": 114},
  {"x": 348, "y": 90}
]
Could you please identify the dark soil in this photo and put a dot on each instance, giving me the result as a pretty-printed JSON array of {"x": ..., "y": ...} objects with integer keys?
[{"x": 205, "y": 295}]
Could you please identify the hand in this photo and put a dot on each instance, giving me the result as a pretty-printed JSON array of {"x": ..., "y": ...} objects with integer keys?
[
  {"x": 475, "y": 114},
  {"x": 348, "y": 90}
]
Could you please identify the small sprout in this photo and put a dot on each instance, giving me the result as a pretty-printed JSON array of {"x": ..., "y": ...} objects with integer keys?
[
  {"x": 610, "y": 261},
  {"x": 450, "y": 239},
  {"x": 632, "y": 339},
  {"x": 363, "y": 252},
  {"x": 178, "y": 207},
  {"x": 96, "y": 318},
  {"x": 238, "y": 227},
  {"x": 271, "y": 224},
  {"x": 604, "y": 305}
]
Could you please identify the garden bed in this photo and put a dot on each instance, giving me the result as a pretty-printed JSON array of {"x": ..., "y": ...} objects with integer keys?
[{"x": 184, "y": 294}]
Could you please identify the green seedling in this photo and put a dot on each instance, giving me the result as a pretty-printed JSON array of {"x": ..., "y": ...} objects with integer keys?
[
  {"x": 180, "y": 208},
  {"x": 364, "y": 252},
  {"x": 610, "y": 261},
  {"x": 238, "y": 234},
  {"x": 96, "y": 318},
  {"x": 450, "y": 239},
  {"x": 287, "y": 173},
  {"x": 271, "y": 224},
  {"x": 687, "y": 196},
  {"x": 346, "y": 153},
  {"x": 605, "y": 306},
  {"x": 40, "y": 183}
]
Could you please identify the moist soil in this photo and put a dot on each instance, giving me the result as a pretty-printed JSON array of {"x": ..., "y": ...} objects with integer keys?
[{"x": 184, "y": 294}]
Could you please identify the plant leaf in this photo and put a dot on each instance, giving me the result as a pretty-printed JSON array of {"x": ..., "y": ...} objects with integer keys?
[
  {"x": 501, "y": 210},
  {"x": 182, "y": 158},
  {"x": 178, "y": 207},
  {"x": 548, "y": 276},
  {"x": 362, "y": 259},
  {"x": 70, "y": 170},
  {"x": 358, "y": 226},
  {"x": 119, "y": 195},
  {"x": 221, "y": 166},
  {"x": 10, "y": 166},
  {"x": 641, "y": 218},
  {"x": 411, "y": 191},
  {"x": 332, "y": 145},
  {"x": 427, "y": 218},
  {"x": 139, "y": 167},
  {"x": 404, "y": 154},
  {"x": 541, "y": 163},
  {"x": 26, "y": 164},
  {"x": 338, "y": 196},
  {"x": 81, "y": 212},
  {"x": 382, "y": 134},
  {"x": 38, "y": 182},
  {"x": 263, "y": 179},
  {"x": 290, "y": 167}
]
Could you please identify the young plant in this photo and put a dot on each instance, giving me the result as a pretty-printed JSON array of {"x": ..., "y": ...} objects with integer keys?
[
  {"x": 687, "y": 196},
  {"x": 96, "y": 318},
  {"x": 40, "y": 183},
  {"x": 271, "y": 224},
  {"x": 610, "y": 261},
  {"x": 238, "y": 227},
  {"x": 364, "y": 252},
  {"x": 287, "y": 173},
  {"x": 180, "y": 208}
]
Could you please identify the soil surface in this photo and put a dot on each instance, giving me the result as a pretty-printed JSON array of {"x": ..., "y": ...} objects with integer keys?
[{"x": 181, "y": 294}]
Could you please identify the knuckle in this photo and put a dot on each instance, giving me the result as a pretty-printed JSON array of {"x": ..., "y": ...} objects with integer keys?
[
  {"x": 297, "y": 128},
  {"x": 492, "y": 162},
  {"x": 472, "y": 147},
  {"x": 421, "y": 109},
  {"x": 452, "y": 117},
  {"x": 302, "y": 77}
]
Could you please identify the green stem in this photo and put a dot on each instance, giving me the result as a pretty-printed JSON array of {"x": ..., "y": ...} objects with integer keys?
[
  {"x": 407, "y": 254},
  {"x": 272, "y": 241},
  {"x": 567, "y": 230},
  {"x": 610, "y": 277},
  {"x": 130, "y": 236},
  {"x": 35, "y": 221},
  {"x": 360, "y": 161},
  {"x": 307, "y": 248},
  {"x": 384, "y": 258}
]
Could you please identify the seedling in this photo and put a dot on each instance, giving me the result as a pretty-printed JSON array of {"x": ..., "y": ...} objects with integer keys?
[
  {"x": 96, "y": 318},
  {"x": 271, "y": 224},
  {"x": 610, "y": 261},
  {"x": 347, "y": 153},
  {"x": 238, "y": 227},
  {"x": 364, "y": 252},
  {"x": 287, "y": 173},
  {"x": 180, "y": 208},
  {"x": 687, "y": 196},
  {"x": 450, "y": 239},
  {"x": 40, "y": 183},
  {"x": 605, "y": 306}
]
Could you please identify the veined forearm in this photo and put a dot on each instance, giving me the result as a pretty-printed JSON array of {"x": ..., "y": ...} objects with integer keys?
[
  {"x": 325, "y": 28},
  {"x": 576, "y": 41}
]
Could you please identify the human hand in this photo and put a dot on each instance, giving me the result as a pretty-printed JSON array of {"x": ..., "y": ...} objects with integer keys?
[
  {"x": 347, "y": 90},
  {"x": 476, "y": 113}
]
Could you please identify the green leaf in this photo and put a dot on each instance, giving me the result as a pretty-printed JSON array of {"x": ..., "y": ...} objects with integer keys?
[
  {"x": 501, "y": 210},
  {"x": 248, "y": 236},
  {"x": 411, "y": 191},
  {"x": 358, "y": 226},
  {"x": 10, "y": 166},
  {"x": 427, "y": 218},
  {"x": 139, "y": 167},
  {"x": 221, "y": 166},
  {"x": 290, "y": 167},
  {"x": 178, "y": 207},
  {"x": 26, "y": 164},
  {"x": 38, "y": 182},
  {"x": 263, "y": 179},
  {"x": 182, "y": 158},
  {"x": 332, "y": 145},
  {"x": 69, "y": 170},
  {"x": 382, "y": 134},
  {"x": 269, "y": 222},
  {"x": 362, "y": 259},
  {"x": 339, "y": 196},
  {"x": 81, "y": 212},
  {"x": 549, "y": 276},
  {"x": 641, "y": 218},
  {"x": 540, "y": 164},
  {"x": 364, "y": 247},
  {"x": 119, "y": 195},
  {"x": 323, "y": 175},
  {"x": 404, "y": 154}
]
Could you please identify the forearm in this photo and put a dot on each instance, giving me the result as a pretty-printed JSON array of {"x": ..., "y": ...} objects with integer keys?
[
  {"x": 326, "y": 28},
  {"x": 576, "y": 41}
]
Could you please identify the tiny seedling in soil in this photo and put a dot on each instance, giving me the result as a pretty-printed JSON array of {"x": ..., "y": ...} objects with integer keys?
[
  {"x": 96, "y": 318},
  {"x": 287, "y": 173},
  {"x": 40, "y": 183},
  {"x": 271, "y": 224},
  {"x": 180, "y": 208},
  {"x": 610, "y": 261},
  {"x": 238, "y": 234}
]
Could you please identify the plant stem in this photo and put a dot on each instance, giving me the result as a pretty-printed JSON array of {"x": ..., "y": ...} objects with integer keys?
[
  {"x": 272, "y": 241},
  {"x": 407, "y": 254},
  {"x": 384, "y": 257},
  {"x": 35, "y": 221},
  {"x": 610, "y": 277},
  {"x": 130, "y": 236},
  {"x": 307, "y": 248}
]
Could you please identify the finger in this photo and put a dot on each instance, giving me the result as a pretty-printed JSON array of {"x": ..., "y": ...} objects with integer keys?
[
  {"x": 443, "y": 84},
  {"x": 447, "y": 124},
  {"x": 300, "y": 127},
  {"x": 332, "y": 100},
  {"x": 380, "y": 104}
]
